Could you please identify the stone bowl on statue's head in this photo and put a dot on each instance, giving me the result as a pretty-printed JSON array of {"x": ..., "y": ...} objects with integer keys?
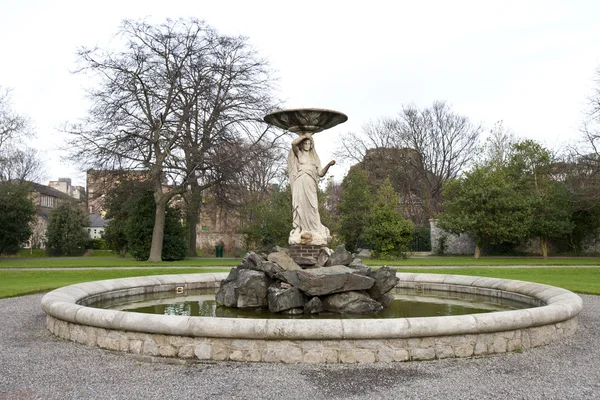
[{"x": 305, "y": 120}]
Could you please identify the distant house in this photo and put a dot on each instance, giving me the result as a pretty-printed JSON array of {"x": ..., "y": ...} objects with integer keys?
[
  {"x": 97, "y": 226},
  {"x": 45, "y": 199},
  {"x": 64, "y": 185}
]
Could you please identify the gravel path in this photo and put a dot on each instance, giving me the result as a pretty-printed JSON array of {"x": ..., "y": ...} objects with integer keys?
[{"x": 36, "y": 365}]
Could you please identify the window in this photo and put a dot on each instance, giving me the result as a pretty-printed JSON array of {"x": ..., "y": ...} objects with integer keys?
[{"x": 47, "y": 201}]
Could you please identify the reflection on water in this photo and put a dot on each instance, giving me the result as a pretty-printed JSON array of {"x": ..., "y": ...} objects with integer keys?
[{"x": 407, "y": 304}]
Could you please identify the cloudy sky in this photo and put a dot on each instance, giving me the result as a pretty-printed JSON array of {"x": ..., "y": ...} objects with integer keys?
[{"x": 532, "y": 64}]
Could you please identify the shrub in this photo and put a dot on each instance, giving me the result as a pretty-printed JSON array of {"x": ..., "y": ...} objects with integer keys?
[
  {"x": 66, "y": 234},
  {"x": 96, "y": 244},
  {"x": 388, "y": 233}
]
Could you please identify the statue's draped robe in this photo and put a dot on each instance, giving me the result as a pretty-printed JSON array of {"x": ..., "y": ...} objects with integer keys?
[{"x": 303, "y": 169}]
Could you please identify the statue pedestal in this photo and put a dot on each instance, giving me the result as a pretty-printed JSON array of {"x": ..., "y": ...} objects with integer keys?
[{"x": 305, "y": 250}]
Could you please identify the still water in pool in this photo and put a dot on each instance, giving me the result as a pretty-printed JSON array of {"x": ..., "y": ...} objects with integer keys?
[{"x": 408, "y": 303}]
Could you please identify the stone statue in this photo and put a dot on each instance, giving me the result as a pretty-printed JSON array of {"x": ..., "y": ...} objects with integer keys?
[{"x": 305, "y": 169}]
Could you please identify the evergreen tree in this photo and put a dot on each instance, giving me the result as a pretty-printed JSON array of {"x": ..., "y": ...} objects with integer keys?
[
  {"x": 354, "y": 208},
  {"x": 140, "y": 224},
  {"x": 17, "y": 212},
  {"x": 389, "y": 233},
  {"x": 486, "y": 203},
  {"x": 66, "y": 234},
  {"x": 269, "y": 222},
  {"x": 531, "y": 165},
  {"x": 117, "y": 207}
]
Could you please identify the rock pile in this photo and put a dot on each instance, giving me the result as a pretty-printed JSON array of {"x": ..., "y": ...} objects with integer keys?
[{"x": 334, "y": 282}]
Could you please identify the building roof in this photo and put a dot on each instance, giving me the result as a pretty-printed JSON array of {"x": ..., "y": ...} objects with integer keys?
[
  {"x": 48, "y": 191},
  {"x": 97, "y": 221}
]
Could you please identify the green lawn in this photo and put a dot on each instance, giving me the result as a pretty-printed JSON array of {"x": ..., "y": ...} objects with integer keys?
[
  {"x": 461, "y": 261},
  {"x": 98, "y": 262},
  {"x": 577, "y": 278},
  {"x": 580, "y": 279},
  {"x": 18, "y": 283}
]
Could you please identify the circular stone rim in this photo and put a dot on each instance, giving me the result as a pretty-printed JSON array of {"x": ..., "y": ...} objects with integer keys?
[{"x": 561, "y": 305}]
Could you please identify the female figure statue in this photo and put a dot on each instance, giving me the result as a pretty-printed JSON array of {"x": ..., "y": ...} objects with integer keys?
[{"x": 305, "y": 169}]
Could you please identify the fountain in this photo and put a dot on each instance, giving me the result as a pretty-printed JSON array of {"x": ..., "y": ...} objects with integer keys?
[
  {"x": 552, "y": 315},
  {"x": 308, "y": 235}
]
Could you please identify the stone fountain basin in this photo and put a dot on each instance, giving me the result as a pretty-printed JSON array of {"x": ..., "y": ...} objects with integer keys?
[{"x": 553, "y": 316}]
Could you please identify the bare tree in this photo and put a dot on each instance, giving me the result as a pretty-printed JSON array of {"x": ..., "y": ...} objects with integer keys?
[
  {"x": 498, "y": 146},
  {"x": 445, "y": 141},
  {"x": 221, "y": 105},
  {"x": 375, "y": 134},
  {"x": 166, "y": 103},
  {"x": 438, "y": 144},
  {"x": 17, "y": 161},
  {"x": 23, "y": 164},
  {"x": 12, "y": 125},
  {"x": 581, "y": 169}
]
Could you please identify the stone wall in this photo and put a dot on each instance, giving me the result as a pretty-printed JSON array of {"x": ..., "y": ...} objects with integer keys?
[
  {"x": 465, "y": 243},
  {"x": 312, "y": 351},
  {"x": 452, "y": 244},
  {"x": 208, "y": 240}
]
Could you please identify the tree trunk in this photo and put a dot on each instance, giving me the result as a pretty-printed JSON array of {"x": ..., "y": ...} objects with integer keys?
[
  {"x": 193, "y": 216},
  {"x": 477, "y": 248},
  {"x": 544, "y": 246},
  {"x": 158, "y": 233},
  {"x": 192, "y": 224}
]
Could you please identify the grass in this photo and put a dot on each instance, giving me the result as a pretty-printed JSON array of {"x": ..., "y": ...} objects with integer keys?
[
  {"x": 18, "y": 283},
  {"x": 30, "y": 253},
  {"x": 15, "y": 283},
  {"x": 99, "y": 262},
  {"x": 580, "y": 280},
  {"x": 460, "y": 261}
]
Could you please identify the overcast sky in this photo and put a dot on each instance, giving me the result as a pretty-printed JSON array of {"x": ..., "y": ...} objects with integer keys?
[{"x": 531, "y": 64}]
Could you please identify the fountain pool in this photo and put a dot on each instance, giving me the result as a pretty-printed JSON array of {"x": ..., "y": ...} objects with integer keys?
[{"x": 552, "y": 316}]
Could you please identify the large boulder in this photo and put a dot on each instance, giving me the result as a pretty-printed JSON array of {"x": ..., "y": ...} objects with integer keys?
[
  {"x": 226, "y": 295},
  {"x": 305, "y": 262},
  {"x": 323, "y": 257},
  {"x": 253, "y": 259},
  {"x": 340, "y": 256},
  {"x": 268, "y": 267},
  {"x": 327, "y": 280},
  {"x": 386, "y": 300},
  {"x": 252, "y": 289},
  {"x": 385, "y": 280},
  {"x": 284, "y": 260},
  {"x": 256, "y": 262},
  {"x": 351, "y": 303},
  {"x": 313, "y": 306},
  {"x": 244, "y": 288},
  {"x": 360, "y": 267},
  {"x": 281, "y": 299}
]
